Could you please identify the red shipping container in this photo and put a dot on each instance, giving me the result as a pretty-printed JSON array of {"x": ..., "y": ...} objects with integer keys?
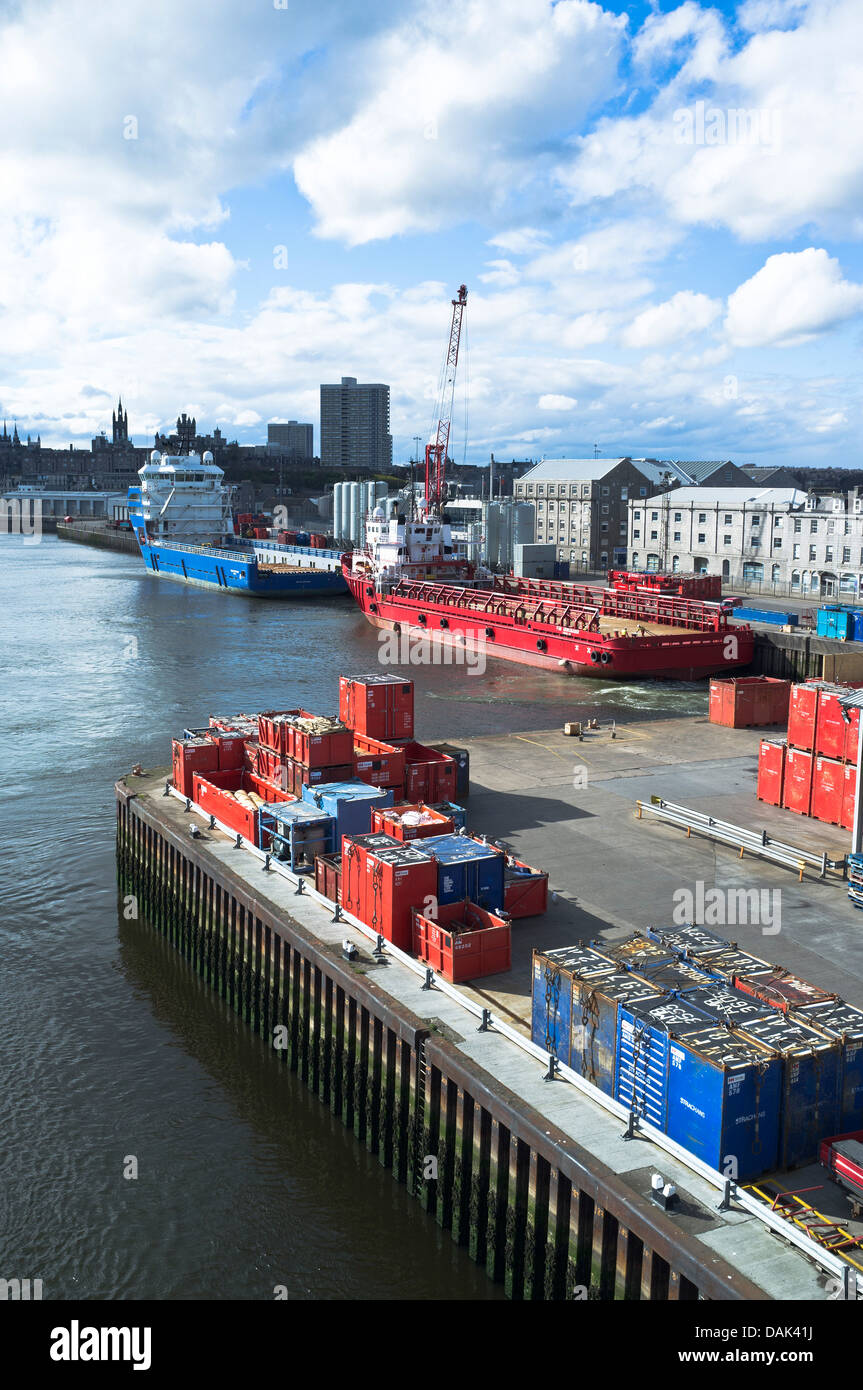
[
  {"x": 379, "y": 764},
  {"x": 780, "y": 989},
  {"x": 333, "y": 748},
  {"x": 189, "y": 756},
  {"x": 525, "y": 890},
  {"x": 849, "y": 795},
  {"x": 328, "y": 872},
  {"x": 380, "y": 707},
  {"x": 802, "y": 713},
  {"x": 383, "y": 880},
  {"x": 388, "y": 820},
  {"x": 831, "y": 727},
  {"x": 741, "y": 702},
  {"x": 274, "y": 731},
  {"x": 828, "y": 787},
  {"x": 464, "y": 942},
  {"x": 429, "y": 775},
  {"x": 797, "y": 787},
  {"x": 771, "y": 770},
  {"x": 218, "y": 802},
  {"x": 251, "y": 753},
  {"x": 230, "y": 748},
  {"x": 293, "y": 776},
  {"x": 852, "y": 735}
]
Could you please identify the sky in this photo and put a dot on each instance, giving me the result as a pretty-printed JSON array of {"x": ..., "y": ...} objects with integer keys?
[{"x": 217, "y": 205}]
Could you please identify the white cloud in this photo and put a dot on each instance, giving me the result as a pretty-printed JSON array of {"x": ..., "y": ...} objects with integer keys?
[
  {"x": 520, "y": 241},
  {"x": 500, "y": 272},
  {"x": 552, "y": 402},
  {"x": 794, "y": 296},
  {"x": 666, "y": 323}
]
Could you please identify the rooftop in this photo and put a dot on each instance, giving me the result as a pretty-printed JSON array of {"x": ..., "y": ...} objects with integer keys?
[{"x": 732, "y": 496}]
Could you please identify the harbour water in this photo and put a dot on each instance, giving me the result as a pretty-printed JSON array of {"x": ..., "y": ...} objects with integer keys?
[{"x": 113, "y": 1050}]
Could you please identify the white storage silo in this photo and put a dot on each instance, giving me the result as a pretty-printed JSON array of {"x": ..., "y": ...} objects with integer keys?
[
  {"x": 337, "y": 509},
  {"x": 354, "y": 513},
  {"x": 524, "y": 525}
]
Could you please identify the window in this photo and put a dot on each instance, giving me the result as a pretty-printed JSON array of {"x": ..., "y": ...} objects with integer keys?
[
  {"x": 702, "y": 517},
  {"x": 813, "y": 528},
  {"x": 753, "y": 571},
  {"x": 828, "y": 555},
  {"x": 777, "y": 542},
  {"x": 605, "y": 492},
  {"x": 726, "y": 540},
  {"x": 795, "y": 581},
  {"x": 701, "y": 538},
  {"x": 637, "y": 516},
  {"x": 798, "y": 526},
  {"x": 795, "y": 552},
  {"x": 540, "y": 506},
  {"x": 654, "y": 516},
  {"x": 727, "y": 521},
  {"x": 831, "y": 527},
  {"x": 677, "y": 535},
  {"x": 675, "y": 564},
  {"x": 654, "y": 535},
  {"x": 678, "y": 516},
  {"x": 811, "y": 553},
  {"x": 777, "y": 521},
  {"x": 636, "y": 536},
  {"x": 846, "y": 555},
  {"x": 776, "y": 574},
  {"x": 624, "y": 494},
  {"x": 642, "y": 492},
  {"x": 604, "y": 526},
  {"x": 585, "y": 491},
  {"x": 540, "y": 489},
  {"x": 605, "y": 509},
  {"x": 635, "y": 559},
  {"x": 756, "y": 521},
  {"x": 847, "y": 584}
]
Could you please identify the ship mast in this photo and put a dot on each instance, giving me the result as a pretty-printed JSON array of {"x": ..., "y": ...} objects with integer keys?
[{"x": 436, "y": 453}]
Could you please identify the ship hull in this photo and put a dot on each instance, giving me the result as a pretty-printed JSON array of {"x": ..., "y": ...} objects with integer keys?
[
  {"x": 674, "y": 655},
  {"x": 205, "y": 568}
]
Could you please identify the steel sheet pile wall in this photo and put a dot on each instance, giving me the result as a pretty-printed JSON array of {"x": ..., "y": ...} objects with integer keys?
[{"x": 541, "y": 1214}]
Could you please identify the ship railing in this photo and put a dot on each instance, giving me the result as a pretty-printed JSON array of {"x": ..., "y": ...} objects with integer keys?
[
  {"x": 492, "y": 603},
  {"x": 637, "y": 1126},
  {"x": 670, "y": 610}
]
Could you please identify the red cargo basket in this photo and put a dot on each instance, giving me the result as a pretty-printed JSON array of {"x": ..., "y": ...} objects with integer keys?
[
  {"x": 464, "y": 942},
  {"x": 802, "y": 714},
  {"x": 189, "y": 756},
  {"x": 828, "y": 789},
  {"x": 333, "y": 748},
  {"x": 379, "y": 764},
  {"x": 745, "y": 702},
  {"x": 388, "y": 820},
  {"x": 328, "y": 872},
  {"x": 771, "y": 770},
  {"x": 212, "y": 794},
  {"x": 380, "y": 707},
  {"x": 849, "y": 795},
  {"x": 797, "y": 787},
  {"x": 525, "y": 890},
  {"x": 274, "y": 732},
  {"x": 780, "y": 989},
  {"x": 429, "y": 775},
  {"x": 293, "y": 776}
]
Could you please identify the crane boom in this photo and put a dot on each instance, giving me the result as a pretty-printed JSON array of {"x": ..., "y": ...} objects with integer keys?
[{"x": 436, "y": 453}]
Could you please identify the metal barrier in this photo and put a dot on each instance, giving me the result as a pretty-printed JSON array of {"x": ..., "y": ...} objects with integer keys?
[
  {"x": 757, "y": 842},
  {"x": 489, "y": 1022}
]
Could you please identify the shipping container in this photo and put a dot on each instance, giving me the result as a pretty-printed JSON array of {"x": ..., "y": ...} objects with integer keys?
[
  {"x": 328, "y": 872},
  {"x": 429, "y": 776},
  {"x": 811, "y": 1076},
  {"x": 250, "y": 756},
  {"x": 856, "y": 626},
  {"x": 635, "y": 951},
  {"x": 214, "y": 795},
  {"x": 828, "y": 789},
  {"x": 689, "y": 939},
  {"x": 779, "y": 988},
  {"x": 377, "y": 706},
  {"x": 525, "y": 890},
  {"x": 832, "y": 723},
  {"x": 350, "y": 803},
  {"x": 190, "y": 756},
  {"x": 456, "y": 813},
  {"x": 295, "y": 776},
  {"x": 833, "y": 621},
  {"x": 729, "y": 961},
  {"x": 836, "y": 1019},
  {"x": 766, "y": 615},
  {"x": 467, "y": 869},
  {"x": 405, "y": 821},
  {"x": 797, "y": 784},
  {"x": 723, "y": 1099},
  {"x": 849, "y": 795},
  {"x": 740, "y": 702},
  {"x": 383, "y": 880},
  {"x": 302, "y": 832},
  {"x": 677, "y": 976},
  {"x": 802, "y": 714},
  {"x": 319, "y": 741},
  {"x": 641, "y": 1068},
  {"x": 461, "y": 758},
  {"x": 727, "y": 1004},
  {"x": 381, "y": 764},
  {"x": 574, "y": 1007},
  {"x": 771, "y": 770},
  {"x": 463, "y": 942},
  {"x": 274, "y": 730}
]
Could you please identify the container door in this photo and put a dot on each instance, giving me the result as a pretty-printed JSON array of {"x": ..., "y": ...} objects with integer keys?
[
  {"x": 642, "y": 1061},
  {"x": 551, "y": 1011}
]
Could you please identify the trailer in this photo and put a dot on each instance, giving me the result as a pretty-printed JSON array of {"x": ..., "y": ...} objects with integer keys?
[{"x": 842, "y": 1156}]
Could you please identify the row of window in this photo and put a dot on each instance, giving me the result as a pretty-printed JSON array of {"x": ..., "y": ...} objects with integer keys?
[{"x": 755, "y": 519}]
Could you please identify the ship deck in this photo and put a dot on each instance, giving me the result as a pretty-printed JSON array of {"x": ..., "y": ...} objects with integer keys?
[{"x": 640, "y": 627}]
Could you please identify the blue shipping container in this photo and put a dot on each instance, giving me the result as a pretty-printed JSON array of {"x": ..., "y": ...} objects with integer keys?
[
  {"x": 634, "y": 952},
  {"x": 689, "y": 940},
  {"x": 833, "y": 621},
  {"x": 349, "y": 803},
  {"x": 675, "y": 978},
  {"x": 836, "y": 1019},
  {"x": 596, "y": 1005},
  {"x": 723, "y": 1099},
  {"x": 467, "y": 869},
  {"x": 730, "y": 961},
  {"x": 811, "y": 1080},
  {"x": 457, "y": 814},
  {"x": 856, "y": 625},
  {"x": 551, "y": 1005},
  {"x": 641, "y": 1070},
  {"x": 766, "y": 615}
]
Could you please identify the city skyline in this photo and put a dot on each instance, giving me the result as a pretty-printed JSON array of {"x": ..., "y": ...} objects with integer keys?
[{"x": 654, "y": 207}]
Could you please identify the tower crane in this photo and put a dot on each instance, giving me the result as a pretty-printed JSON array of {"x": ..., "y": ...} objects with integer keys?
[{"x": 436, "y": 453}]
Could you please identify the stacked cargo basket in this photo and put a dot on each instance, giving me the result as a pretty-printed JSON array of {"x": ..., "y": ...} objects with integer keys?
[
  {"x": 813, "y": 771},
  {"x": 357, "y": 802},
  {"x": 740, "y": 1062}
]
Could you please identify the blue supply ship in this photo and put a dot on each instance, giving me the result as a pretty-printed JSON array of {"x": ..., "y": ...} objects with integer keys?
[{"x": 181, "y": 516}]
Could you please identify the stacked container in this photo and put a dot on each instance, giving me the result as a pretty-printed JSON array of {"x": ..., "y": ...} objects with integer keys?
[
  {"x": 381, "y": 764},
  {"x": 351, "y": 805},
  {"x": 412, "y": 822},
  {"x": 189, "y": 756},
  {"x": 843, "y": 1022},
  {"x": 576, "y": 996},
  {"x": 816, "y": 774},
  {"x": 383, "y": 880},
  {"x": 429, "y": 775},
  {"x": 301, "y": 833},
  {"x": 377, "y": 706},
  {"x": 467, "y": 869},
  {"x": 771, "y": 770}
]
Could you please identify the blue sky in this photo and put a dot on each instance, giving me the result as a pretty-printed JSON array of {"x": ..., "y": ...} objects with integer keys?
[{"x": 656, "y": 208}]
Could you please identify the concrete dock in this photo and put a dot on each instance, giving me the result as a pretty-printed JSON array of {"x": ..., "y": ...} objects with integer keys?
[{"x": 536, "y": 1179}]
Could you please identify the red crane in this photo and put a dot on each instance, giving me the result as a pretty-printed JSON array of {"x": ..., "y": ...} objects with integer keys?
[{"x": 436, "y": 452}]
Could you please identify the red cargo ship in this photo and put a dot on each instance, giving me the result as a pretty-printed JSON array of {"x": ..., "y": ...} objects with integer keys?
[{"x": 408, "y": 579}]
